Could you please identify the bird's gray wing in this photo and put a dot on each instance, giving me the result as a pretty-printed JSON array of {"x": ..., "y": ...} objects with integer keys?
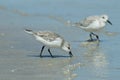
[
  {"x": 48, "y": 36},
  {"x": 87, "y": 21}
]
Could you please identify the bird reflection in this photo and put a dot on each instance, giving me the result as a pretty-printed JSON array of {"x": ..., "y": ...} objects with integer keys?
[{"x": 96, "y": 60}]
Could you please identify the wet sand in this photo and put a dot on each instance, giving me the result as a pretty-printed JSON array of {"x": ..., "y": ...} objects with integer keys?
[{"x": 19, "y": 52}]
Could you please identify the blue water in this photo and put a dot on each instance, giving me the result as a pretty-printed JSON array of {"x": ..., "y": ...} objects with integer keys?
[{"x": 19, "y": 52}]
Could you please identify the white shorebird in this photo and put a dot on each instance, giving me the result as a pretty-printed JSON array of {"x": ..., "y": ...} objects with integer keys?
[
  {"x": 93, "y": 24},
  {"x": 50, "y": 39}
]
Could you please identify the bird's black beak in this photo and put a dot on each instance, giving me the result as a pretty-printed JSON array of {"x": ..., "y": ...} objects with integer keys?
[
  {"x": 109, "y": 22},
  {"x": 70, "y": 53}
]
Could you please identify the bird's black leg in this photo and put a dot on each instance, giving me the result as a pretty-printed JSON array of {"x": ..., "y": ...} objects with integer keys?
[
  {"x": 42, "y": 51},
  {"x": 91, "y": 39},
  {"x": 96, "y": 36},
  {"x": 70, "y": 53},
  {"x": 50, "y": 53}
]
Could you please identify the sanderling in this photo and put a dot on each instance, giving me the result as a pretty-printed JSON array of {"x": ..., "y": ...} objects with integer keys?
[
  {"x": 50, "y": 39},
  {"x": 93, "y": 24}
]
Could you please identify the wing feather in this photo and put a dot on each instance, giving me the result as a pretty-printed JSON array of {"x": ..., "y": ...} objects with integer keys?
[
  {"x": 87, "y": 21},
  {"x": 47, "y": 35}
]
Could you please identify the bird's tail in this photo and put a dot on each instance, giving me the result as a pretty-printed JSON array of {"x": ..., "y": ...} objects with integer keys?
[{"x": 29, "y": 31}]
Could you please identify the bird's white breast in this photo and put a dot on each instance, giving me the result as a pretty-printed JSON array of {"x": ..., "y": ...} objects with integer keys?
[
  {"x": 94, "y": 26},
  {"x": 55, "y": 43}
]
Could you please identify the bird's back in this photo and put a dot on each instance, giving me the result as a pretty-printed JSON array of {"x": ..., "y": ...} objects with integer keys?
[
  {"x": 87, "y": 21},
  {"x": 47, "y": 35}
]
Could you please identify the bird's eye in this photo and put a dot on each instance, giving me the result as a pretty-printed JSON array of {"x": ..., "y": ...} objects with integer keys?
[
  {"x": 68, "y": 47},
  {"x": 103, "y": 17}
]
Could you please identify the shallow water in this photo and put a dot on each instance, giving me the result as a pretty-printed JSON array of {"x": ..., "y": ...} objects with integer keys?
[{"x": 19, "y": 52}]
